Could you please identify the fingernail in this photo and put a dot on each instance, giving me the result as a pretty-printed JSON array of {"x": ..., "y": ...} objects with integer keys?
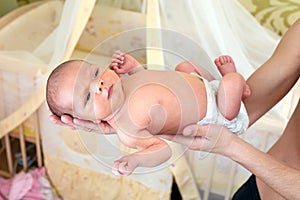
[{"x": 187, "y": 132}]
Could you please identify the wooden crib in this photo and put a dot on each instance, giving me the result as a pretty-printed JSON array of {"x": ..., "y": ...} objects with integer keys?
[
  {"x": 11, "y": 125},
  {"x": 21, "y": 121},
  {"x": 25, "y": 124}
]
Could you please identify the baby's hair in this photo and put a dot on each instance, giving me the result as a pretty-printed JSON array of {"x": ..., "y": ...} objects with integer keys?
[{"x": 53, "y": 84}]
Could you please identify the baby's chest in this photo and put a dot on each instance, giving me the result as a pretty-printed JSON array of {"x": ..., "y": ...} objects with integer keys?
[{"x": 152, "y": 108}]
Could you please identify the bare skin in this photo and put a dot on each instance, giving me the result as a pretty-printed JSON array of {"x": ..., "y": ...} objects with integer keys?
[
  {"x": 225, "y": 66},
  {"x": 139, "y": 118},
  {"x": 277, "y": 171},
  {"x": 171, "y": 110},
  {"x": 285, "y": 69},
  {"x": 232, "y": 89}
]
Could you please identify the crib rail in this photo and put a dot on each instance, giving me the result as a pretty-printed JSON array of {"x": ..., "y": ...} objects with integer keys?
[
  {"x": 61, "y": 53},
  {"x": 19, "y": 133}
]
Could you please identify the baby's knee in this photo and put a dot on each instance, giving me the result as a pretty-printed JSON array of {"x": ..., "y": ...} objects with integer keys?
[
  {"x": 185, "y": 67},
  {"x": 235, "y": 78}
]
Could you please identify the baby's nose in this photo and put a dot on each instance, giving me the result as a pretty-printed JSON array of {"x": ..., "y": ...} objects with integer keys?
[{"x": 97, "y": 86}]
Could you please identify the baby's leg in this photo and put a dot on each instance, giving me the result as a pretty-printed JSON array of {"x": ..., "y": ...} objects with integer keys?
[
  {"x": 226, "y": 65},
  {"x": 231, "y": 91},
  {"x": 189, "y": 67}
]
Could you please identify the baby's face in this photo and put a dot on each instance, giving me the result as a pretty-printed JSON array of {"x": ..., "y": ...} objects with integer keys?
[{"x": 93, "y": 91}]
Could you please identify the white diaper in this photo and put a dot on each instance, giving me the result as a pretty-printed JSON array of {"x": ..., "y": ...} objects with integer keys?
[{"x": 213, "y": 116}]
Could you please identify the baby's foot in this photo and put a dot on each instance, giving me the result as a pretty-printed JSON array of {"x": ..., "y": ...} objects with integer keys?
[{"x": 225, "y": 65}]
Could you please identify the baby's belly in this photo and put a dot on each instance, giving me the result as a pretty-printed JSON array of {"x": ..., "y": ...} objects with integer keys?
[
  {"x": 186, "y": 110},
  {"x": 171, "y": 131},
  {"x": 164, "y": 121},
  {"x": 173, "y": 125}
]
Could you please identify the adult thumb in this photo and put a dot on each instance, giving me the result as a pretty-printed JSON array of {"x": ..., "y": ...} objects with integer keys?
[{"x": 195, "y": 130}]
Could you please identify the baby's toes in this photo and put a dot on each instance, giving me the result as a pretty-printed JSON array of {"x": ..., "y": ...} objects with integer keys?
[{"x": 217, "y": 62}]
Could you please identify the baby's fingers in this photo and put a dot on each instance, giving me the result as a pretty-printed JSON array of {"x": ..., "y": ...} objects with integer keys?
[
  {"x": 118, "y": 56},
  {"x": 125, "y": 169},
  {"x": 117, "y": 61},
  {"x": 120, "y": 168},
  {"x": 115, "y": 168}
]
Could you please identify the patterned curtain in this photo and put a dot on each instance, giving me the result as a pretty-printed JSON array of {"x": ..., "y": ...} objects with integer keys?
[{"x": 277, "y": 15}]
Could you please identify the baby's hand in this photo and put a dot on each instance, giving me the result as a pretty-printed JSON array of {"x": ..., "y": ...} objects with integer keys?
[
  {"x": 117, "y": 62},
  {"x": 125, "y": 165},
  {"x": 123, "y": 63}
]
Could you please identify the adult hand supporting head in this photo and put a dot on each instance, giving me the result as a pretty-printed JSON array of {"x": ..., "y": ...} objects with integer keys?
[{"x": 79, "y": 124}]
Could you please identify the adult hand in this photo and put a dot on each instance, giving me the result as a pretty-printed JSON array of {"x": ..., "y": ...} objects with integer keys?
[
  {"x": 79, "y": 124},
  {"x": 210, "y": 138}
]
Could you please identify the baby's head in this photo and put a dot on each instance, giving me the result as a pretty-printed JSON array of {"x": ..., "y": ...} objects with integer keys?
[{"x": 82, "y": 90}]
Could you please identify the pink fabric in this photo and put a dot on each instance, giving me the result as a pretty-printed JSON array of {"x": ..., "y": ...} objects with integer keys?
[
  {"x": 5, "y": 185},
  {"x": 27, "y": 186},
  {"x": 21, "y": 184}
]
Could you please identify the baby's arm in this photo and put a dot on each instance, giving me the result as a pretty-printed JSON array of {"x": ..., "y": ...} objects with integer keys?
[
  {"x": 152, "y": 151},
  {"x": 189, "y": 67},
  {"x": 123, "y": 63}
]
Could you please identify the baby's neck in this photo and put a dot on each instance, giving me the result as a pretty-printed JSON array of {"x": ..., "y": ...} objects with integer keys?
[
  {"x": 111, "y": 120},
  {"x": 112, "y": 123}
]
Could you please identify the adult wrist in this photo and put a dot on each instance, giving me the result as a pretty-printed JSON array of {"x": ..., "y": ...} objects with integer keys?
[{"x": 235, "y": 148}]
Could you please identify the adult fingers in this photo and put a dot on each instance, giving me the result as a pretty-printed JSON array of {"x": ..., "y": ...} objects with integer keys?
[
  {"x": 55, "y": 119},
  {"x": 84, "y": 125},
  {"x": 66, "y": 119},
  {"x": 59, "y": 121},
  {"x": 193, "y": 143},
  {"x": 102, "y": 128},
  {"x": 196, "y": 130}
]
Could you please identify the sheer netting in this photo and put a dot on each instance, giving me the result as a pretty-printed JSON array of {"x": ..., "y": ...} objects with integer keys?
[
  {"x": 203, "y": 32},
  {"x": 223, "y": 27},
  {"x": 193, "y": 30}
]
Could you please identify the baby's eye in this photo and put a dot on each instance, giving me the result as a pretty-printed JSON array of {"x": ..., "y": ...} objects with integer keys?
[
  {"x": 96, "y": 73},
  {"x": 88, "y": 96}
]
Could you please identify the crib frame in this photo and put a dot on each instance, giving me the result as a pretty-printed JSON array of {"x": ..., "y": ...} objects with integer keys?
[
  {"x": 6, "y": 133},
  {"x": 30, "y": 108}
]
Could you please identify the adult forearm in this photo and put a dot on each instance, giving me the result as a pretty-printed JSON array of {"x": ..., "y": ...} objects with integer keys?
[
  {"x": 281, "y": 178},
  {"x": 269, "y": 84},
  {"x": 275, "y": 77}
]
